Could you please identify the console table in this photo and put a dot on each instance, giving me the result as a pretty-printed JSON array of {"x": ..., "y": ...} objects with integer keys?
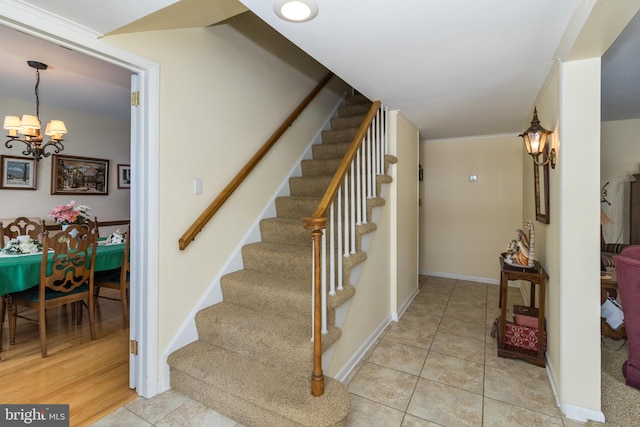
[{"x": 536, "y": 276}]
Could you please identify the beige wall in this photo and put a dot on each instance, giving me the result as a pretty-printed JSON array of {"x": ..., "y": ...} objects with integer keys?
[
  {"x": 464, "y": 226},
  {"x": 89, "y": 136},
  {"x": 619, "y": 160},
  {"x": 404, "y": 197},
  {"x": 223, "y": 90}
]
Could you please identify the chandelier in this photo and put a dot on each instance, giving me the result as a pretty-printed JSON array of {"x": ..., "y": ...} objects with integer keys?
[{"x": 29, "y": 126}]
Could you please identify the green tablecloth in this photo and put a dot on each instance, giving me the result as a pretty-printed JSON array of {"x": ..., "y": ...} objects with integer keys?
[{"x": 20, "y": 272}]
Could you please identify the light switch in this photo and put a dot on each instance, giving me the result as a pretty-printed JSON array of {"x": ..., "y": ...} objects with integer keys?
[
  {"x": 197, "y": 186},
  {"x": 473, "y": 178}
]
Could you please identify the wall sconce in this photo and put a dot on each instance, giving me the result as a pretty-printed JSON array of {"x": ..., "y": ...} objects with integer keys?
[{"x": 535, "y": 141}]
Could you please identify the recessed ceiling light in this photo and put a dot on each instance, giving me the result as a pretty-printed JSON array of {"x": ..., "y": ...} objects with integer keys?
[{"x": 296, "y": 10}]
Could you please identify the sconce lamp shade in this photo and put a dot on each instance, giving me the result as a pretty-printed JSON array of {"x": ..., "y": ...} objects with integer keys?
[{"x": 535, "y": 138}]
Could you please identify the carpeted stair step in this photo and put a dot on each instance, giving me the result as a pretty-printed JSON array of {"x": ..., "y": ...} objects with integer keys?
[
  {"x": 285, "y": 230},
  {"x": 281, "y": 341},
  {"x": 356, "y": 99},
  {"x": 346, "y": 122},
  {"x": 354, "y": 109},
  {"x": 296, "y": 207},
  {"x": 276, "y": 258},
  {"x": 309, "y": 186},
  {"x": 330, "y": 151},
  {"x": 252, "y": 393},
  {"x": 260, "y": 291},
  {"x": 338, "y": 136},
  {"x": 320, "y": 167}
]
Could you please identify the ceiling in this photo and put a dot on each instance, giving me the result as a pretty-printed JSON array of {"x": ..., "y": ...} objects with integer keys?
[{"x": 453, "y": 71}]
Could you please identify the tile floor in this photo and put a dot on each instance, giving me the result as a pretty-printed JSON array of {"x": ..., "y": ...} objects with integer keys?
[{"x": 437, "y": 366}]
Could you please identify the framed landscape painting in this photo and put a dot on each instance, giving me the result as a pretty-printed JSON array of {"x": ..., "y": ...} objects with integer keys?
[
  {"x": 18, "y": 173},
  {"x": 79, "y": 175}
]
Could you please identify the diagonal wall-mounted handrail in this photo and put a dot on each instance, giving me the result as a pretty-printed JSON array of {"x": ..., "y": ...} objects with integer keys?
[{"x": 208, "y": 213}]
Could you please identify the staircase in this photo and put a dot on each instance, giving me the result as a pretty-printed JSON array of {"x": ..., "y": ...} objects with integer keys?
[{"x": 253, "y": 359}]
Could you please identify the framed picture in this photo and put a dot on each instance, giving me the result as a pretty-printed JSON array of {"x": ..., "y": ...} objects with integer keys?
[
  {"x": 124, "y": 176},
  {"x": 18, "y": 173},
  {"x": 79, "y": 175}
]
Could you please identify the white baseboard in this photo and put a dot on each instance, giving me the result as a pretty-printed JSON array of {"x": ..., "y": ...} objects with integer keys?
[
  {"x": 353, "y": 361},
  {"x": 490, "y": 281},
  {"x": 581, "y": 414}
]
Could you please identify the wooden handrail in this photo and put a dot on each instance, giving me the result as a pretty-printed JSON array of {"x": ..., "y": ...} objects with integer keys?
[
  {"x": 321, "y": 210},
  {"x": 208, "y": 213},
  {"x": 317, "y": 222}
]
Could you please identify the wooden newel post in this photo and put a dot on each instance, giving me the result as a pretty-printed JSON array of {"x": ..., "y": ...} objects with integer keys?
[{"x": 317, "y": 377}]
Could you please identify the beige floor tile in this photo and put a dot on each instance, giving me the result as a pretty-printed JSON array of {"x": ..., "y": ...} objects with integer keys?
[
  {"x": 462, "y": 327},
  {"x": 401, "y": 357},
  {"x": 435, "y": 402},
  {"x": 121, "y": 417},
  {"x": 455, "y": 372},
  {"x": 409, "y": 334},
  {"x": 383, "y": 385},
  {"x": 516, "y": 366},
  {"x": 365, "y": 413},
  {"x": 500, "y": 414},
  {"x": 427, "y": 308},
  {"x": 520, "y": 390},
  {"x": 413, "y": 421},
  {"x": 471, "y": 315},
  {"x": 454, "y": 345},
  {"x": 194, "y": 414},
  {"x": 432, "y": 295},
  {"x": 156, "y": 408},
  {"x": 426, "y": 322}
]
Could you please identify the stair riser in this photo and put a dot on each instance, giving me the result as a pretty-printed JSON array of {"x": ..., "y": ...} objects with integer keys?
[
  {"x": 320, "y": 167},
  {"x": 347, "y": 122},
  {"x": 287, "y": 207},
  {"x": 274, "y": 232},
  {"x": 330, "y": 151},
  {"x": 287, "y": 263},
  {"x": 338, "y": 136},
  {"x": 309, "y": 186}
]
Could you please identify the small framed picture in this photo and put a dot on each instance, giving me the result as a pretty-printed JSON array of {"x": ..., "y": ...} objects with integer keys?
[
  {"x": 124, "y": 176},
  {"x": 79, "y": 175},
  {"x": 18, "y": 173}
]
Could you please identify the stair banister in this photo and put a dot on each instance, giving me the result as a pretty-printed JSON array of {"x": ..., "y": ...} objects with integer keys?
[
  {"x": 208, "y": 213},
  {"x": 344, "y": 184}
]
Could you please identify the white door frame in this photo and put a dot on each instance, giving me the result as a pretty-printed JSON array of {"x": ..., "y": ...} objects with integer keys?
[{"x": 145, "y": 167}]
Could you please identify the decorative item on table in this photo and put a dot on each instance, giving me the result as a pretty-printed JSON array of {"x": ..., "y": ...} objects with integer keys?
[
  {"x": 22, "y": 245},
  {"x": 520, "y": 251},
  {"x": 70, "y": 214},
  {"x": 117, "y": 237},
  {"x": 525, "y": 316}
]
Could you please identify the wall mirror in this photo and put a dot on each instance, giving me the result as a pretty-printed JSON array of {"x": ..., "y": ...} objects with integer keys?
[{"x": 541, "y": 183}]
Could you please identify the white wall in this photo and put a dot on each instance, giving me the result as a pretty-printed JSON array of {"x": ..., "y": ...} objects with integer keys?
[
  {"x": 223, "y": 90},
  {"x": 89, "y": 136},
  {"x": 619, "y": 160},
  {"x": 464, "y": 226}
]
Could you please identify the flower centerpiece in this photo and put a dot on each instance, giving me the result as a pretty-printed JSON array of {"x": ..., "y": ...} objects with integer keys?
[
  {"x": 22, "y": 245},
  {"x": 70, "y": 213}
]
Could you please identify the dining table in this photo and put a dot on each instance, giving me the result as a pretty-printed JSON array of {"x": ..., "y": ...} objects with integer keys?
[{"x": 21, "y": 272}]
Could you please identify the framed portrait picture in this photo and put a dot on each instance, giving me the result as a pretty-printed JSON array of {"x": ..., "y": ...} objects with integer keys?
[
  {"x": 18, "y": 173},
  {"x": 124, "y": 176},
  {"x": 79, "y": 175}
]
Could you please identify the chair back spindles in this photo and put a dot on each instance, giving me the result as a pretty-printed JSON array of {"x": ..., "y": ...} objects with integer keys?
[{"x": 21, "y": 226}]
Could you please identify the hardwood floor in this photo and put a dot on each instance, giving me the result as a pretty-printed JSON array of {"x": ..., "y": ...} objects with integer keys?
[{"x": 91, "y": 376}]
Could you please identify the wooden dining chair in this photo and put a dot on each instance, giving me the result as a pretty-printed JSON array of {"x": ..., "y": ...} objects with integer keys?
[
  {"x": 117, "y": 279},
  {"x": 21, "y": 226},
  {"x": 91, "y": 224},
  {"x": 68, "y": 280}
]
